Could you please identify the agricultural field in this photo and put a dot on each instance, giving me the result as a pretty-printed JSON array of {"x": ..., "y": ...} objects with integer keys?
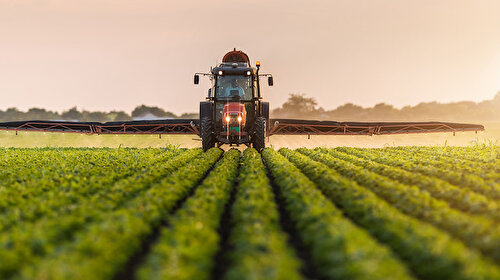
[{"x": 178, "y": 213}]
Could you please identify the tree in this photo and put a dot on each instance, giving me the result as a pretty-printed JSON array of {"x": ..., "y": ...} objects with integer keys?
[
  {"x": 298, "y": 106},
  {"x": 93, "y": 116},
  {"x": 346, "y": 112},
  {"x": 143, "y": 110},
  {"x": 40, "y": 114},
  {"x": 72, "y": 115},
  {"x": 12, "y": 114},
  {"x": 189, "y": 116},
  {"x": 117, "y": 116},
  {"x": 382, "y": 111}
]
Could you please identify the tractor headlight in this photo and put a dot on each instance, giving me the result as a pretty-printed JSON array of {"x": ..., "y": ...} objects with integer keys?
[
  {"x": 228, "y": 118},
  {"x": 240, "y": 119}
]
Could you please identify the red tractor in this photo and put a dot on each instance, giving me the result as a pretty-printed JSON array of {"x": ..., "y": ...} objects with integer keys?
[{"x": 234, "y": 113}]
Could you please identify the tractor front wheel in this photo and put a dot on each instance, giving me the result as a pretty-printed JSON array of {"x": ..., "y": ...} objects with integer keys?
[
  {"x": 207, "y": 133},
  {"x": 259, "y": 137}
]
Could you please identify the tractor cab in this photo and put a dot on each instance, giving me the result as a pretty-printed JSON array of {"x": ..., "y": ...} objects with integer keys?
[{"x": 234, "y": 112}]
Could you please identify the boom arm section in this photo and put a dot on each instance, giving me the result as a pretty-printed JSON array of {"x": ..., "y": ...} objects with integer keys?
[
  {"x": 170, "y": 126},
  {"x": 310, "y": 127}
]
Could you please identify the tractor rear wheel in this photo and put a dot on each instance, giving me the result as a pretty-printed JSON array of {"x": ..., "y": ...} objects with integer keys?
[
  {"x": 207, "y": 133},
  {"x": 259, "y": 137}
]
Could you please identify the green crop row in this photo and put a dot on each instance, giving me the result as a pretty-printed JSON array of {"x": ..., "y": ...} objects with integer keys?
[
  {"x": 60, "y": 172},
  {"x": 460, "y": 198},
  {"x": 475, "y": 154},
  {"x": 56, "y": 164},
  {"x": 476, "y": 231},
  {"x": 431, "y": 253},
  {"x": 102, "y": 249},
  {"x": 259, "y": 248},
  {"x": 63, "y": 196},
  {"x": 473, "y": 182},
  {"x": 187, "y": 246},
  {"x": 488, "y": 172},
  {"x": 452, "y": 156},
  {"x": 24, "y": 173},
  {"x": 27, "y": 243},
  {"x": 338, "y": 248}
]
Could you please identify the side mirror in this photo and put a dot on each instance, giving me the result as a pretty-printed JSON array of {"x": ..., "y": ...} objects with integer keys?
[
  {"x": 196, "y": 79},
  {"x": 270, "y": 81},
  {"x": 209, "y": 93}
]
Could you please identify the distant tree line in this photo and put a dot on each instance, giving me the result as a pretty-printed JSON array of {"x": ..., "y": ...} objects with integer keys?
[
  {"x": 300, "y": 106},
  {"x": 297, "y": 106},
  {"x": 73, "y": 114}
]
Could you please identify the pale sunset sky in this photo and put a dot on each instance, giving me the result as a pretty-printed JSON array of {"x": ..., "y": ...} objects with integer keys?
[{"x": 115, "y": 55}]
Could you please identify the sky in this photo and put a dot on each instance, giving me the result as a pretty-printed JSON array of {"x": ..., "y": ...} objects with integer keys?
[{"x": 115, "y": 55}]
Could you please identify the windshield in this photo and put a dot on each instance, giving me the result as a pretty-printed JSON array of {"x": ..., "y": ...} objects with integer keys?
[{"x": 230, "y": 87}]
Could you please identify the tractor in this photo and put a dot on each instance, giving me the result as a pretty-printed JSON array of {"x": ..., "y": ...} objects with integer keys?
[{"x": 234, "y": 112}]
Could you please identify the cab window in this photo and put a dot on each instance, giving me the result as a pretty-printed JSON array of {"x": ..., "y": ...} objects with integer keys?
[{"x": 227, "y": 87}]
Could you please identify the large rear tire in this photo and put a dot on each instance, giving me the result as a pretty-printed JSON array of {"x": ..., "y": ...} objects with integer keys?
[
  {"x": 259, "y": 138},
  {"x": 207, "y": 133}
]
